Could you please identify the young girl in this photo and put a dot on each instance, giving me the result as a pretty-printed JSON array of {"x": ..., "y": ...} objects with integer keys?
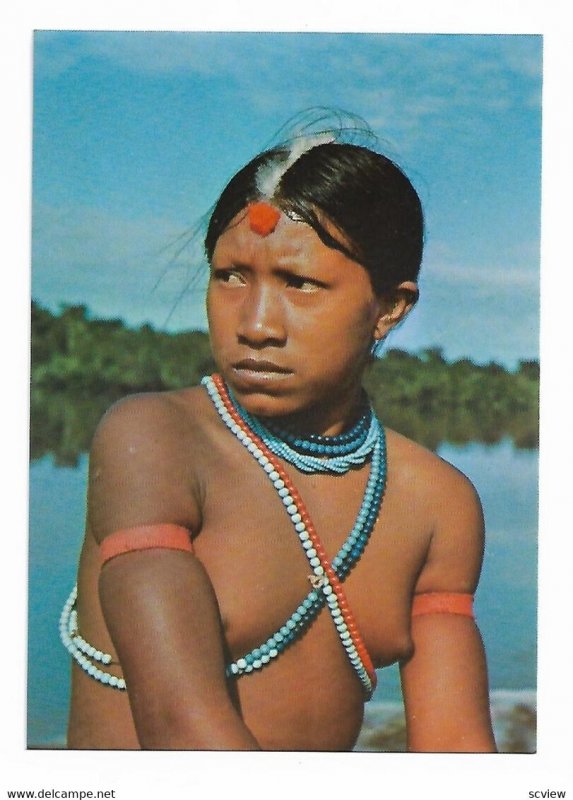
[{"x": 257, "y": 546}]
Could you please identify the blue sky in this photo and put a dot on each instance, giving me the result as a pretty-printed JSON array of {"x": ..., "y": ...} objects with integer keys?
[{"x": 135, "y": 134}]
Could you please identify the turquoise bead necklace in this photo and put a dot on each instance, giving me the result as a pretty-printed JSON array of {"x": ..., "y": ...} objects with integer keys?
[
  {"x": 324, "y": 454},
  {"x": 314, "y": 444}
]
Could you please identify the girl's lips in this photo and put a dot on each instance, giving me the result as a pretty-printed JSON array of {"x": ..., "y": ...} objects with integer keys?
[
  {"x": 254, "y": 365},
  {"x": 251, "y": 372}
]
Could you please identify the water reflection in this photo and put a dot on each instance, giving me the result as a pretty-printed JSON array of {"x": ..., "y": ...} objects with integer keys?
[
  {"x": 459, "y": 426},
  {"x": 62, "y": 424}
]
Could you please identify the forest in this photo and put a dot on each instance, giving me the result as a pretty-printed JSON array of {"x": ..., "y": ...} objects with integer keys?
[{"x": 80, "y": 365}]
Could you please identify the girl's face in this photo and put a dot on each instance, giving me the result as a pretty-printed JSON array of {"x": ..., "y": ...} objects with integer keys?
[{"x": 291, "y": 322}]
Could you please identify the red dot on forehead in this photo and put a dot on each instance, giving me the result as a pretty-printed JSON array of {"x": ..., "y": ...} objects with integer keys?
[{"x": 263, "y": 218}]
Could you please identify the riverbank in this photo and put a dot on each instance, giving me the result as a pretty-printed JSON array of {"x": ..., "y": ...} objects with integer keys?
[
  {"x": 514, "y": 716},
  {"x": 513, "y": 712}
]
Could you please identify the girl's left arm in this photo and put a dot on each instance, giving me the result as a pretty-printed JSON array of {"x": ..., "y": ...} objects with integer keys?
[
  {"x": 444, "y": 682},
  {"x": 445, "y": 687}
]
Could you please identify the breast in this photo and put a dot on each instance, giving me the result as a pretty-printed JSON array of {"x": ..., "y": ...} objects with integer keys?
[
  {"x": 260, "y": 576},
  {"x": 309, "y": 698},
  {"x": 258, "y": 570}
]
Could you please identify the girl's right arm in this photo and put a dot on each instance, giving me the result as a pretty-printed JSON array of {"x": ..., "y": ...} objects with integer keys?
[{"x": 159, "y": 604}]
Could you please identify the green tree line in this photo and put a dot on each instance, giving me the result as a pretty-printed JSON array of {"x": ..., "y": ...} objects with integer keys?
[
  {"x": 72, "y": 352},
  {"x": 81, "y": 365}
]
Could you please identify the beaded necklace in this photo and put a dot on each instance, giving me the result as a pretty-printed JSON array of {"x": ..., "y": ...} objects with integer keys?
[
  {"x": 326, "y": 577},
  {"x": 332, "y": 454}
]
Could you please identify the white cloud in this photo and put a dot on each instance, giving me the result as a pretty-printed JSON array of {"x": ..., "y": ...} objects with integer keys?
[
  {"x": 147, "y": 53},
  {"x": 117, "y": 266},
  {"x": 413, "y": 89},
  {"x": 487, "y": 277},
  {"x": 431, "y": 63}
]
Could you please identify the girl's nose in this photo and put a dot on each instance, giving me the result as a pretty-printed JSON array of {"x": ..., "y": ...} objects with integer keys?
[{"x": 261, "y": 320}]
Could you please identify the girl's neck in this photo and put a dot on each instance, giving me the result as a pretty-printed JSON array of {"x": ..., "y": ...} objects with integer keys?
[{"x": 325, "y": 419}]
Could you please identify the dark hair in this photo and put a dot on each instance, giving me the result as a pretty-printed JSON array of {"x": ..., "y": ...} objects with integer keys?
[{"x": 365, "y": 195}]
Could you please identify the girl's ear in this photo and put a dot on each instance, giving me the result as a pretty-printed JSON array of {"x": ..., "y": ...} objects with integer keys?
[{"x": 394, "y": 308}]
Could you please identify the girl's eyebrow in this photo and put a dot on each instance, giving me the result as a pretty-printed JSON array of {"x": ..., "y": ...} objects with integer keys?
[
  {"x": 229, "y": 264},
  {"x": 303, "y": 274}
]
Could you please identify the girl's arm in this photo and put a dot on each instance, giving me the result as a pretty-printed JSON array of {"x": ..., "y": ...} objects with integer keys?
[
  {"x": 444, "y": 683},
  {"x": 445, "y": 687},
  {"x": 159, "y": 604},
  {"x": 163, "y": 618}
]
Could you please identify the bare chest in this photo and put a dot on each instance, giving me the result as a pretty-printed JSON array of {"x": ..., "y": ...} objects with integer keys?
[{"x": 260, "y": 571}]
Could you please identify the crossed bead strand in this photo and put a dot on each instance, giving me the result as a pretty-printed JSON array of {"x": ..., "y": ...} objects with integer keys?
[{"x": 326, "y": 578}]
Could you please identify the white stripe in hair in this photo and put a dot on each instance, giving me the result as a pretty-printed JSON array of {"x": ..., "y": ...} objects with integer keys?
[{"x": 269, "y": 176}]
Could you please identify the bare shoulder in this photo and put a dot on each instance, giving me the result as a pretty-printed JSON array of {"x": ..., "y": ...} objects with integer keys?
[
  {"x": 453, "y": 511},
  {"x": 150, "y": 420},
  {"x": 426, "y": 472},
  {"x": 144, "y": 461}
]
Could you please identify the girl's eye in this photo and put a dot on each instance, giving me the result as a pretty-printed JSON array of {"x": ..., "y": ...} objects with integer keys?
[
  {"x": 303, "y": 284},
  {"x": 229, "y": 276}
]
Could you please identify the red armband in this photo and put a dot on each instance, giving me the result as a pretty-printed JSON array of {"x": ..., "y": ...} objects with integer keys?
[
  {"x": 145, "y": 537},
  {"x": 442, "y": 603}
]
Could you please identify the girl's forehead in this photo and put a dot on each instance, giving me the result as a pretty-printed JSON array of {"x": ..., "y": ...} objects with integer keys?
[{"x": 290, "y": 240}]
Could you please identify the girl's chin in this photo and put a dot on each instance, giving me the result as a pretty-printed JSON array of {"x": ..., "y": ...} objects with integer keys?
[
  {"x": 259, "y": 381},
  {"x": 263, "y": 405},
  {"x": 286, "y": 395},
  {"x": 266, "y": 400}
]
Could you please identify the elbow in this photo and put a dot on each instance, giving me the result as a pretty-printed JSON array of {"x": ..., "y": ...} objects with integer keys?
[{"x": 178, "y": 730}]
